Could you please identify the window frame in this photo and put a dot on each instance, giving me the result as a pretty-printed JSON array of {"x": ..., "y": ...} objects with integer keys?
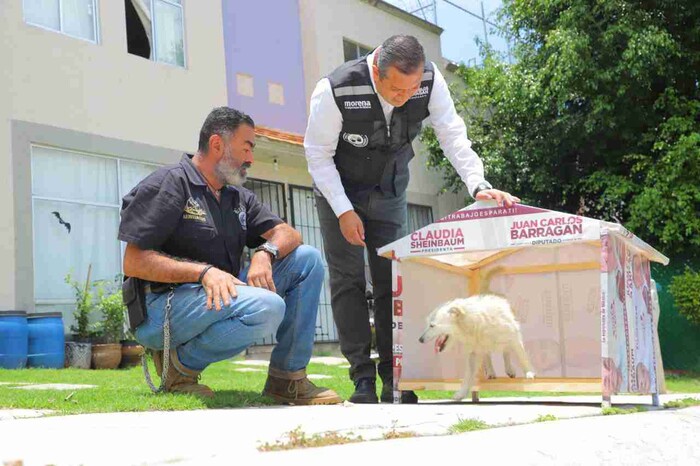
[
  {"x": 116, "y": 206},
  {"x": 96, "y": 23},
  {"x": 154, "y": 46},
  {"x": 358, "y": 49}
]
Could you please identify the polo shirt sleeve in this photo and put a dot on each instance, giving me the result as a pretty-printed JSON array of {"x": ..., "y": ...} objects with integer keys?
[
  {"x": 260, "y": 219},
  {"x": 151, "y": 211}
]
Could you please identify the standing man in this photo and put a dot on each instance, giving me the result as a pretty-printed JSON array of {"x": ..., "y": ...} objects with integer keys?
[
  {"x": 185, "y": 226},
  {"x": 362, "y": 121}
]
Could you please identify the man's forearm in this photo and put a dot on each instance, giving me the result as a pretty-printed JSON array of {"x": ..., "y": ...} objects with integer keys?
[
  {"x": 158, "y": 267},
  {"x": 286, "y": 238}
]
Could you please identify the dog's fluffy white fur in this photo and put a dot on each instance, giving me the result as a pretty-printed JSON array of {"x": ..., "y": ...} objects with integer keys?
[{"x": 483, "y": 324}]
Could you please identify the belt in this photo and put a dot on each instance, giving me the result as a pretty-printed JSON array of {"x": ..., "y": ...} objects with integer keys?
[{"x": 159, "y": 288}]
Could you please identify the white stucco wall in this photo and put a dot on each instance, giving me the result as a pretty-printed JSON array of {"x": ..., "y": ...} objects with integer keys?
[{"x": 51, "y": 79}]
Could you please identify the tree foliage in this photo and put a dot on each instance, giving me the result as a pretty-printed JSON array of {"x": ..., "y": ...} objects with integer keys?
[{"x": 598, "y": 115}]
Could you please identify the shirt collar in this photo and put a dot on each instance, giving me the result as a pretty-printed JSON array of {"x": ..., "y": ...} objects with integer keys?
[{"x": 193, "y": 175}]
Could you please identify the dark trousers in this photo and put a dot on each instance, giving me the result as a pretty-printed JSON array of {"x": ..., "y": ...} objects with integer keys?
[{"x": 385, "y": 220}]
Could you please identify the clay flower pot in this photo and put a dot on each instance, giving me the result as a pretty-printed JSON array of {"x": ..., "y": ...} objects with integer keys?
[
  {"x": 106, "y": 356},
  {"x": 131, "y": 354}
]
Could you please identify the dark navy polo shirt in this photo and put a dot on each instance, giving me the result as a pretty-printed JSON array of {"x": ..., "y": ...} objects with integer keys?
[{"x": 172, "y": 211}]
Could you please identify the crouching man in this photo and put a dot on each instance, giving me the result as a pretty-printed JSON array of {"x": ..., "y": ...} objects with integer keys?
[{"x": 185, "y": 226}]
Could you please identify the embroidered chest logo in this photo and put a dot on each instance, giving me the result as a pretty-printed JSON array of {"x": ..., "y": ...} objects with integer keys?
[
  {"x": 357, "y": 140},
  {"x": 358, "y": 105},
  {"x": 420, "y": 93},
  {"x": 194, "y": 211},
  {"x": 240, "y": 211}
]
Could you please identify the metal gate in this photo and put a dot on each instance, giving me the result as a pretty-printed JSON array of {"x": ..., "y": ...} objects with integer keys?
[
  {"x": 271, "y": 194},
  {"x": 419, "y": 216},
  {"x": 305, "y": 219}
]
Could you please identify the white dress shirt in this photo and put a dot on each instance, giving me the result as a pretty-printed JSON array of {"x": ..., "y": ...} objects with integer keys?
[{"x": 326, "y": 123}]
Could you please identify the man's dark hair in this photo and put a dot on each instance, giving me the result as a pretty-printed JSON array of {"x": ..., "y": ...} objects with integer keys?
[
  {"x": 403, "y": 53},
  {"x": 222, "y": 121}
]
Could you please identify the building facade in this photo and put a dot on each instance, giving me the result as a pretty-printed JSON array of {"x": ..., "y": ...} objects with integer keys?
[{"x": 96, "y": 94}]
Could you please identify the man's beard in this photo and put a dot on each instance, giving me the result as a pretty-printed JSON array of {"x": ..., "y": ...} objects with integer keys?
[{"x": 229, "y": 175}]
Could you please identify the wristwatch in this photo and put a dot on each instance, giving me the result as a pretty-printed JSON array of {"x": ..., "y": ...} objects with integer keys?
[
  {"x": 269, "y": 248},
  {"x": 481, "y": 187}
]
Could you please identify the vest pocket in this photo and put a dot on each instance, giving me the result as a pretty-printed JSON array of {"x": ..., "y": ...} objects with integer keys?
[
  {"x": 414, "y": 128},
  {"x": 401, "y": 178}
]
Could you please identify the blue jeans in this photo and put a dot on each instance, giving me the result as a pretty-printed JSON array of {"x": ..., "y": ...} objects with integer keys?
[{"x": 204, "y": 336}]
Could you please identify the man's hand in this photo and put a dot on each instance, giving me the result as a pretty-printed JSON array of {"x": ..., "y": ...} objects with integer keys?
[
  {"x": 260, "y": 271},
  {"x": 501, "y": 197},
  {"x": 220, "y": 286},
  {"x": 352, "y": 228}
]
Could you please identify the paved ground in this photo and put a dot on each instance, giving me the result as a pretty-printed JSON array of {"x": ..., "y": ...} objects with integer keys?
[
  {"x": 229, "y": 436},
  {"x": 655, "y": 438}
]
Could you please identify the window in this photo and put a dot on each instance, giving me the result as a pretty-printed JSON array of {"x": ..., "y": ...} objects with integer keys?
[
  {"x": 353, "y": 51},
  {"x": 76, "y": 200},
  {"x": 275, "y": 93},
  {"x": 419, "y": 216},
  {"x": 75, "y": 18},
  {"x": 244, "y": 85},
  {"x": 155, "y": 30}
]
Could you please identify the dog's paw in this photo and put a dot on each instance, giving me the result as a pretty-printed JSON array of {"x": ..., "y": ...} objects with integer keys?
[
  {"x": 530, "y": 375},
  {"x": 459, "y": 396},
  {"x": 490, "y": 375}
]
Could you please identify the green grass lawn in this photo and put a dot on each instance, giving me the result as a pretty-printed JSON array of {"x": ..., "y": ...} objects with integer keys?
[{"x": 126, "y": 390}]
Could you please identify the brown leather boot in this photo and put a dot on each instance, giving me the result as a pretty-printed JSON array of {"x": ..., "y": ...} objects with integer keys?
[
  {"x": 295, "y": 388},
  {"x": 180, "y": 379},
  {"x": 158, "y": 361}
]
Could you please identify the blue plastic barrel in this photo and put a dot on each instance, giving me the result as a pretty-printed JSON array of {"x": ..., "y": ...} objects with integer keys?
[
  {"x": 14, "y": 339},
  {"x": 46, "y": 340}
]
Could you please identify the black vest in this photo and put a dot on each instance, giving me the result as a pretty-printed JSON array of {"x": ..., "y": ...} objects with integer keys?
[{"x": 371, "y": 154}]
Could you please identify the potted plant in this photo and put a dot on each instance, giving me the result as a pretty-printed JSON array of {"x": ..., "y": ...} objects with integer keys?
[
  {"x": 107, "y": 350},
  {"x": 79, "y": 351},
  {"x": 132, "y": 351}
]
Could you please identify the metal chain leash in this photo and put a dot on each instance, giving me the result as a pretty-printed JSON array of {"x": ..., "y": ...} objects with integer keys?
[{"x": 166, "y": 348}]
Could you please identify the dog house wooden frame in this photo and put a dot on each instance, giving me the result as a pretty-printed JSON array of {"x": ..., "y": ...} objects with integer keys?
[{"x": 580, "y": 287}]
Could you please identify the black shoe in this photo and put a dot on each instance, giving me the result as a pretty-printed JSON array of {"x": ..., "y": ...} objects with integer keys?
[
  {"x": 365, "y": 391},
  {"x": 407, "y": 397}
]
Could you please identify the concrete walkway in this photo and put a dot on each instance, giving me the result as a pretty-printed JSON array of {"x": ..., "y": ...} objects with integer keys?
[
  {"x": 229, "y": 436},
  {"x": 666, "y": 438}
]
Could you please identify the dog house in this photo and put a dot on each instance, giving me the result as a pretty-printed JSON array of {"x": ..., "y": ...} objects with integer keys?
[{"x": 579, "y": 287}]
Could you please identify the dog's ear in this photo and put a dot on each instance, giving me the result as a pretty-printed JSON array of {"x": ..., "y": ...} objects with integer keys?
[{"x": 455, "y": 312}]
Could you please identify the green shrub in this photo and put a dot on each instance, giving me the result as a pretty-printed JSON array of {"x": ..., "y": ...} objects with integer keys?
[
  {"x": 83, "y": 307},
  {"x": 113, "y": 310},
  {"x": 685, "y": 289}
]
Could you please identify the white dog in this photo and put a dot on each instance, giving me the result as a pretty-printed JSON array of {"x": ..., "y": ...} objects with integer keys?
[{"x": 483, "y": 324}]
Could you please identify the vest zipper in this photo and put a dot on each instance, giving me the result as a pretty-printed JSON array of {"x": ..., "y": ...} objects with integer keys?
[{"x": 388, "y": 128}]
